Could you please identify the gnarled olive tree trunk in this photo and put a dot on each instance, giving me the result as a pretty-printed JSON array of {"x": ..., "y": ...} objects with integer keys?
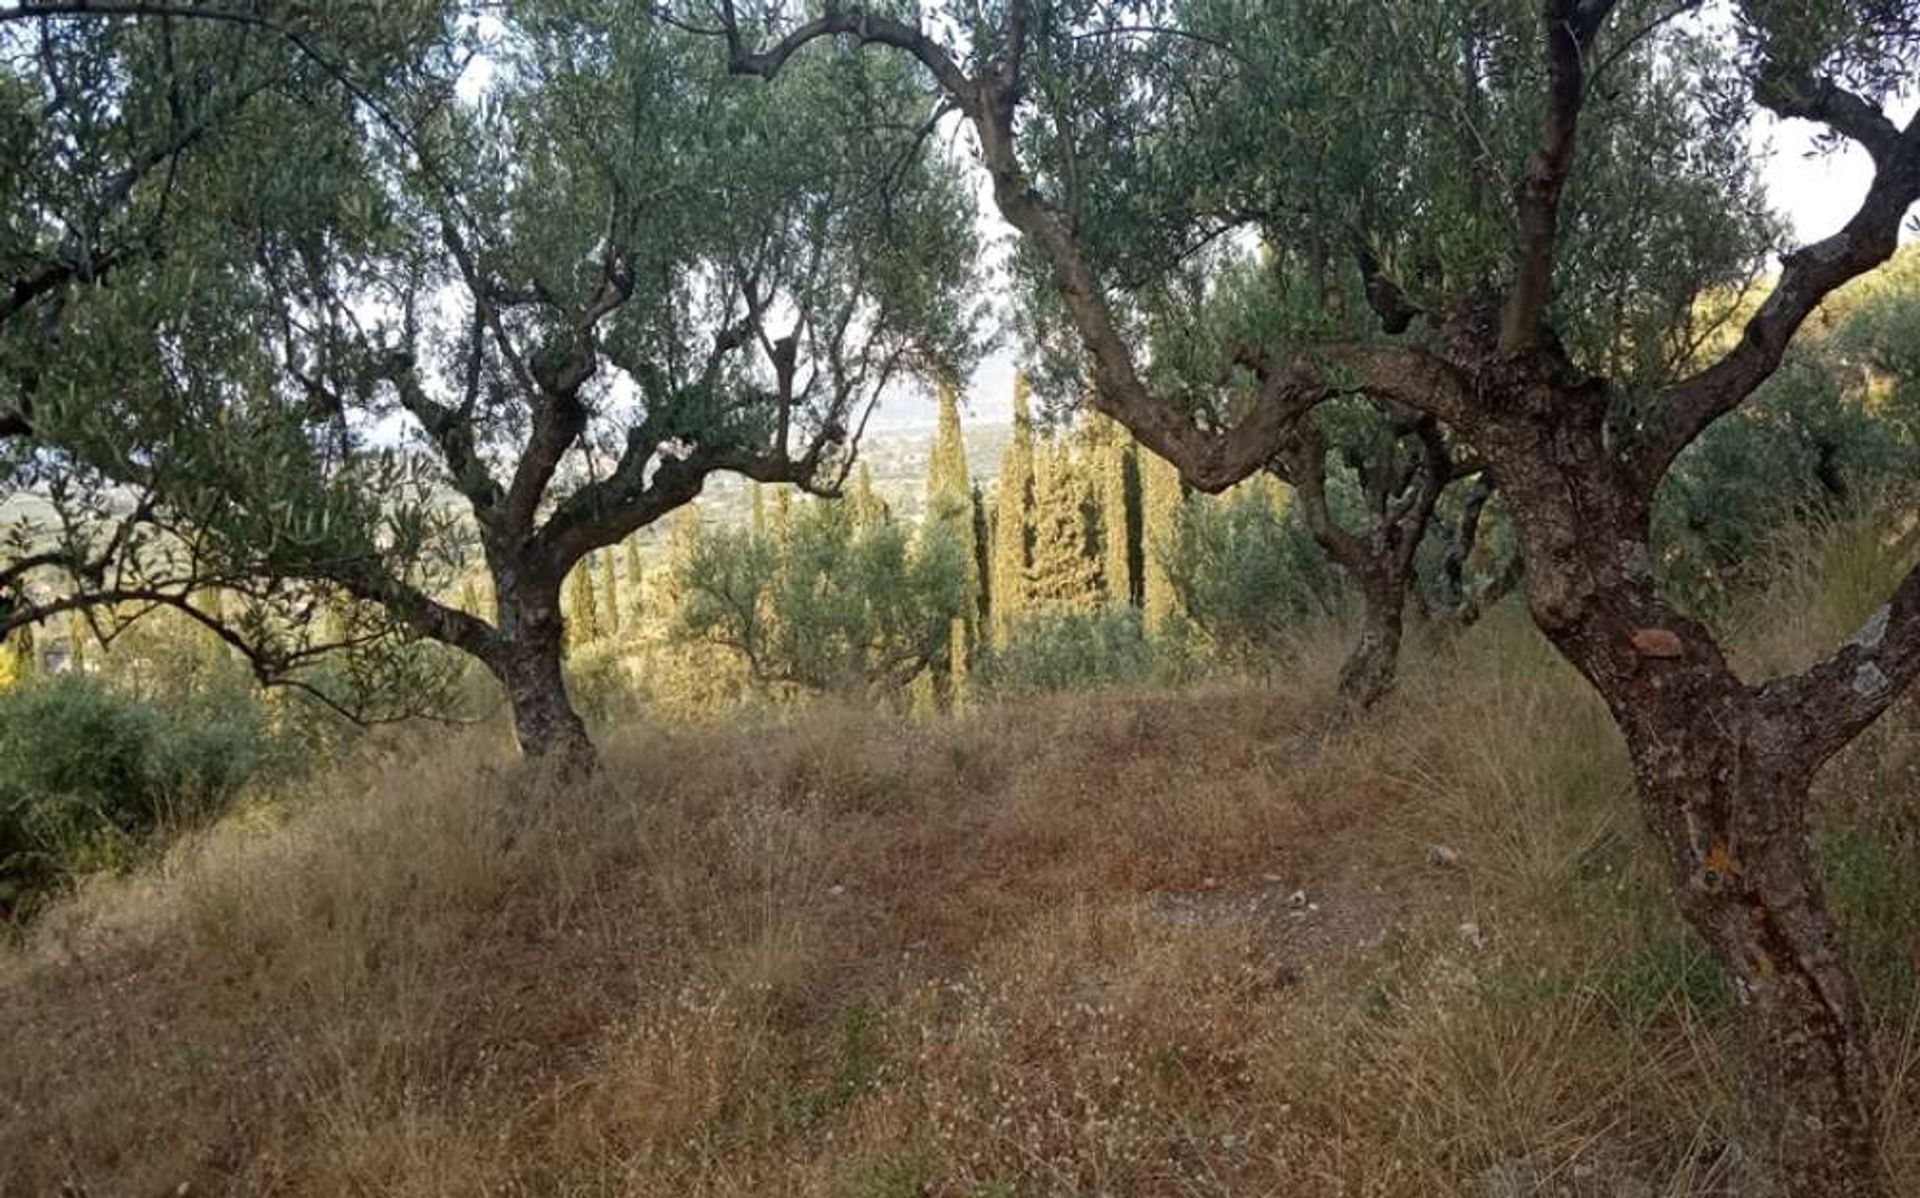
[
  {"x": 528, "y": 659},
  {"x": 1402, "y": 476},
  {"x": 1723, "y": 772}
]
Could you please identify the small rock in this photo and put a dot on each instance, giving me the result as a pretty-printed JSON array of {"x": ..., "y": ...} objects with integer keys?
[
  {"x": 836, "y": 890},
  {"x": 1470, "y": 936},
  {"x": 1443, "y": 856},
  {"x": 1270, "y": 879},
  {"x": 1297, "y": 899}
]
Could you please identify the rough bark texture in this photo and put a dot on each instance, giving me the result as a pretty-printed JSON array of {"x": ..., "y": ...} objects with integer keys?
[
  {"x": 529, "y": 663},
  {"x": 1402, "y": 477},
  {"x": 1367, "y": 675},
  {"x": 1723, "y": 772}
]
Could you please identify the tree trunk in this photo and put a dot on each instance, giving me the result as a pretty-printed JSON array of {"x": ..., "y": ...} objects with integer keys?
[
  {"x": 1723, "y": 773},
  {"x": 1726, "y": 789},
  {"x": 531, "y": 653},
  {"x": 1368, "y": 673}
]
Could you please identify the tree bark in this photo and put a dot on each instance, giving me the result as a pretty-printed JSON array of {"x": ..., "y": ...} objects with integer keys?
[
  {"x": 1725, "y": 788},
  {"x": 1368, "y": 673},
  {"x": 1723, "y": 772},
  {"x": 529, "y": 665}
]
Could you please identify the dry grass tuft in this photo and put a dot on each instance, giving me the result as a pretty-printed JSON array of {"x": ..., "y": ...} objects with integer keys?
[{"x": 1133, "y": 944}]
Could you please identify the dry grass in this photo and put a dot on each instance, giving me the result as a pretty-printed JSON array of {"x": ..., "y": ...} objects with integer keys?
[{"x": 1052, "y": 948}]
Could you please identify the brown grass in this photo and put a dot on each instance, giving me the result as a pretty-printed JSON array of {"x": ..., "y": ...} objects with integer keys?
[{"x": 1051, "y": 948}]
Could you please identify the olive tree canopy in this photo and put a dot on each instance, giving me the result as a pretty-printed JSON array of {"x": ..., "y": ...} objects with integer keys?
[{"x": 518, "y": 283}]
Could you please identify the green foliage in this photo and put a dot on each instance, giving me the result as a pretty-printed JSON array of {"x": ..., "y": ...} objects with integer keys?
[
  {"x": 1837, "y": 424},
  {"x": 841, "y": 600},
  {"x": 609, "y": 607},
  {"x": 19, "y": 657},
  {"x": 1247, "y": 572},
  {"x": 1012, "y": 520},
  {"x": 88, "y": 773},
  {"x": 1065, "y": 571},
  {"x": 1065, "y": 650},
  {"x": 949, "y": 512},
  {"x": 635, "y": 580},
  {"x": 1118, "y": 483},
  {"x": 1160, "y": 491},
  {"x": 583, "y": 608},
  {"x": 345, "y": 285}
]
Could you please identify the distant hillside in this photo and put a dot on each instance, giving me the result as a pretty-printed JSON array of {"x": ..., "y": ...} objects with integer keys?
[{"x": 896, "y": 456}]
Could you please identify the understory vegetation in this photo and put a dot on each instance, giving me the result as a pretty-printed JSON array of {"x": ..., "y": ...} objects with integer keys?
[{"x": 1137, "y": 942}]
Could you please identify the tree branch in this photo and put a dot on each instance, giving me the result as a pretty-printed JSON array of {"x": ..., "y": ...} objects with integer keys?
[
  {"x": 1570, "y": 27},
  {"x": 1808, "y": 277},
  {"x": 1834, "y": 701}
]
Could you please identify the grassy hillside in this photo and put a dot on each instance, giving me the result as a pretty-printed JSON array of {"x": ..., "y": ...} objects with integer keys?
[{"x": 1128, "y": 943}]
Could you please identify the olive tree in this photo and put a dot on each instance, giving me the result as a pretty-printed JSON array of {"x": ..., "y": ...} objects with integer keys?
[
  {"x": 112, "y": 128},
  {"x": 525, "y": 310},
  {"x": 1545, "y": 195}
]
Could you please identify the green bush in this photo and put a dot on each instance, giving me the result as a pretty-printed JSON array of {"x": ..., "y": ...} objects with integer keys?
[
  {"x": 1249, "y": 574},
  {"x": 1074, "y": 650},
  {"x": 89, "y": 774}
]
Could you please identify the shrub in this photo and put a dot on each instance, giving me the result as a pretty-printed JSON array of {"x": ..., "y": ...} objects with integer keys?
[
  {"x": 1073, "y": 650},
  {"x": 88, "y": 774},
  {"x": 1249, "y": 573}
]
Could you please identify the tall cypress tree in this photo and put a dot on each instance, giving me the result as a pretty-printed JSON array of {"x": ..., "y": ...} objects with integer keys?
[
  {"x": 1117, "y": 522},
  {"x": 19, "y": 657},
  {"x": 636, "y": 577},
  {"x": 868, "y": 509},
  {"x": 1064, "y": 573},
  {"x": 1012, "y": 505},
  {"x": 78, "y": 634},
  {"x": 959, "y": 646},
  {"x": 583, "y": 620},
  {"x": 610, "y": 602},
  {"x": 1159, "y": 514},
  {"x": 780, "y": 519},
  {"x": 950, "y": 499}
]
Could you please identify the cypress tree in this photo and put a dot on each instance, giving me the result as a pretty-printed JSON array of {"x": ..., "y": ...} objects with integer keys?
[
  {"x": 977, "y": 513},
  {"x": 77, "y": 634},
  {"x": 1159, "y": 514},
  {"x": 959, "y": 645},
  {"x": 1012, "y": 503},
  {"x": 1116, "y": 517},
  {"x": 583, "y": 621},
  {"x": 19, "y": 658},
  {"x": 1064, "y": 571},
  {"x": 868, "y": 509},
  {"x": 950, "y": 497},
  {"x": 635, "y": 576},
  {"x": 780, "y": 522},
  {"x": 610, "y": 605}
]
